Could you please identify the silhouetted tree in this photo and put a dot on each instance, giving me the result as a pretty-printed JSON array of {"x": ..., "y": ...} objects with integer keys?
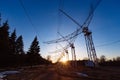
[
  {"x": 13, "y": 42},
  {"x": 4, "y": 44},
  {"x": 33, "y": 53},
  {"x": 19, "y": 45},
  {"x": 102, "y": 59},
  {"x": 20, "y": 54},
  {"x": 4, "y": 38},
  {"x": 118, "y": 58},
  {"x": 48, "y": 61},
  {"x": 113, "y": 59},
  {"x": 49, "y": 58}
]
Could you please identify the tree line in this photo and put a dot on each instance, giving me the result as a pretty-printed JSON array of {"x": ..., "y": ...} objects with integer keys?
[
  {"x": 103, "y": 61},
  {"x": 12, "y": 50}
]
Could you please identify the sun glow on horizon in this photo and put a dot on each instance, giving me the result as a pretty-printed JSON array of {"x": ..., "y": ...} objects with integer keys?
[{"x": 64, "y": 60}]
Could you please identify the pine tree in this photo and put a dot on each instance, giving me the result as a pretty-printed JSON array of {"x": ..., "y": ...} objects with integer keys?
[
  {"x": 4, "y": 43},
  {"x": 13, "y": 42},
  {"x": 33, "y": 53},
  {"x": 19, "y": 45},
  {"x": 20, "y": 55},
  {"x": 4, "y": 38}
]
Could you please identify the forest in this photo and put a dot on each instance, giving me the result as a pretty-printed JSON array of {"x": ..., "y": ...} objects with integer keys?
[{"x": 12, "y": 52}]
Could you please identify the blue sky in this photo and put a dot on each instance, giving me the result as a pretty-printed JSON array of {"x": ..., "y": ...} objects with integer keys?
[{"x": 44, "y": 16}]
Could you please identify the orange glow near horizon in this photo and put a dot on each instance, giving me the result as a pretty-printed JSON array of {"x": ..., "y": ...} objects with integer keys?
[{"x": 63, "y": 60}]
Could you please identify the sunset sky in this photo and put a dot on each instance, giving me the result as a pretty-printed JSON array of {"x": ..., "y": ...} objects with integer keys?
[{"x": 41, "y": 18}]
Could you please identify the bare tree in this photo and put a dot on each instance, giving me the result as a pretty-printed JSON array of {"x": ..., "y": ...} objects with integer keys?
[
  {"x": 102, "y": 58},
  {"x": 118, "y": 58}
]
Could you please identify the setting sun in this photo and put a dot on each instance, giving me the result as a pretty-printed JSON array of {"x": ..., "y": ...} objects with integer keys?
[{"x": 64, "y": 60}]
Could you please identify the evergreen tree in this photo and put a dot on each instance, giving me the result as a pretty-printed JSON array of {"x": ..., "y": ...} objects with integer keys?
[
  {"x": 4, "y": 38},
  {"x": 33, "y": 53},
  {"x": 13, "y": 42},
  {"x": 20, "y": 55},
  {"x": 4, "y": 43},
  {"x": 19, "y": 45}
]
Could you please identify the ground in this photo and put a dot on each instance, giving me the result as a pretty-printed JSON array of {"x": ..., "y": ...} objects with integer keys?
[{"x": 53, "y": 72}]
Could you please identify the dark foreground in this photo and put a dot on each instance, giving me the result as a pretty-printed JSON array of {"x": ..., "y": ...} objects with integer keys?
[{"x": 55, "y": 73}]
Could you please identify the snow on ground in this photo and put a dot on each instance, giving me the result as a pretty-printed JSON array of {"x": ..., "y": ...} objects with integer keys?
[
  {"x": 5, "y": 73},
  {"x": 82, "y": 74}
]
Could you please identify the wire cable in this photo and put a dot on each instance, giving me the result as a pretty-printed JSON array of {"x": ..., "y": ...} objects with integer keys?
[
  {"x": 108, "y": 44},
  {"x": 28, "y": 16},
  {"x": 26, "y": 12}
]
